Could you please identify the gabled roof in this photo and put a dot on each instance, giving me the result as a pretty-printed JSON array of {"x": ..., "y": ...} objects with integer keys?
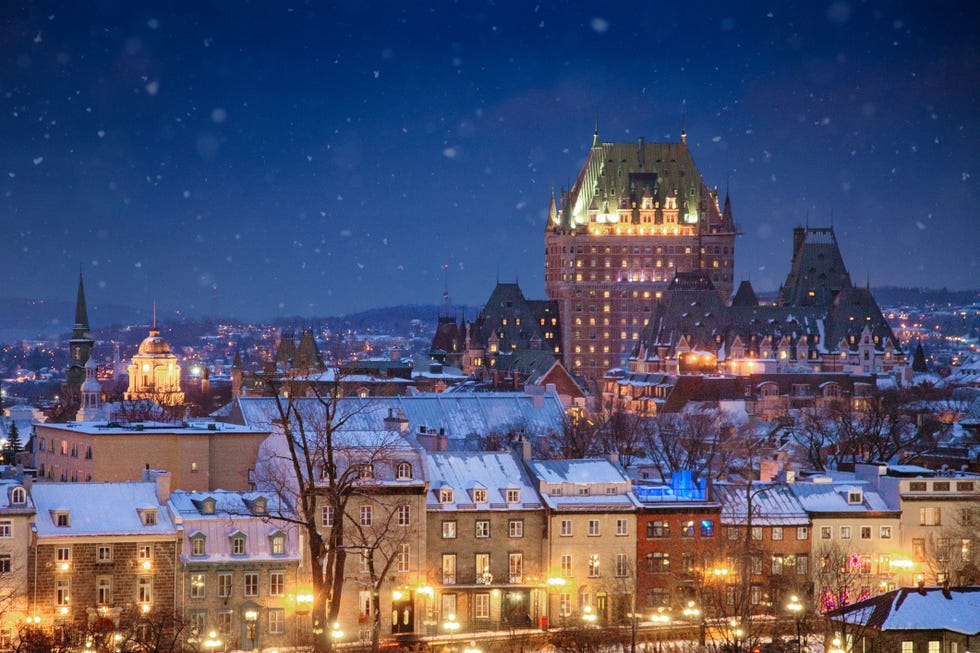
[{"x": 955, "y": 610}]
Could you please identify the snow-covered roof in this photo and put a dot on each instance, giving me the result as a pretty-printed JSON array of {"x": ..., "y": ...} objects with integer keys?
[
  {"x": 196, "y": 427},
  {"x": 460, "y": 415},
  {"x": 834, "y": 497},
  {"x": 584, "y": 484},
  {"x": 188, "y": 505},
  {"x": 99, "y": 509},
  {"x": 496, "y": 472},
  {"x": 773, "y": 504},
  {"x": 6, "y": 489},
  {"x": 931, "y": 608}
]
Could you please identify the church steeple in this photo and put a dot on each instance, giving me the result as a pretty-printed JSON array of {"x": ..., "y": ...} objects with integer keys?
[{"x": 80, "y": 344}]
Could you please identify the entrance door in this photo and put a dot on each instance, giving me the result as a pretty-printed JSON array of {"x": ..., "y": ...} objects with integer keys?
[
  {"x": 403, "y": 614},
  {"x": 602, "y": 606}
]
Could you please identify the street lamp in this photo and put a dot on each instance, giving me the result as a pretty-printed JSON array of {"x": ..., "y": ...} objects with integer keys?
[
  {"x": 251, "y": 617},
  {"x": 796, "y": 609},
  {"x": 451, "y": 626},
  {"x": 212, "y": 642},
  {"x": 555, "y": 583},
  {"x": 336, "y": 633},
  {"x": 835, "y": 646},
  {"x": 588, "y": 616}
]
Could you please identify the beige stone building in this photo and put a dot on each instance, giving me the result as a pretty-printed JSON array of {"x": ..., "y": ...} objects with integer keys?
[
  {"x": 940, "y": 512},
  {"x": 589, "y": 538},
  {"x": 16, "y": 517},
  {"x": 105, "y": 555},
  {"x": 201, "y": 455}
]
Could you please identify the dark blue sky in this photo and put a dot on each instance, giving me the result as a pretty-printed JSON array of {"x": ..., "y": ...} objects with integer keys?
[{"x": 268, "y": 158}]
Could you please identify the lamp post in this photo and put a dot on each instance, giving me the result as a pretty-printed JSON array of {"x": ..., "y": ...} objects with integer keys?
[
  {"x": 588, "y": 616},
  {"x": 336, "y": 634},
  {"x": 451, "y": 627},
  {"x": 796, "y": 609},
  {"x": 251, "y": 618},
  {"x": 555, "y": 583},
  {"x": 693, "y": 612},
  {"x": 212, "y": 643}
]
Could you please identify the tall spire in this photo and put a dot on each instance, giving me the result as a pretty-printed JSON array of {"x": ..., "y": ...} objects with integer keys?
[
  {"x": 683, "y": 130},
  {"x": 595, "y": 134},
  {"x": 81, "y": 310}
]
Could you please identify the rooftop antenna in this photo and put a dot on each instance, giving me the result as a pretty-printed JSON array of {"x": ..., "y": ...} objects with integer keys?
[{"x": 445, "y": 291}]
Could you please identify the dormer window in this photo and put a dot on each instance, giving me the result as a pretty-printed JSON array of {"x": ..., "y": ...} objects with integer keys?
[
  {"x": 207, "y": 506},
  {"x": 199, "y": 544},
  {"x": 277, "y": 543},
  {"x": 479, "y": 495},
  {"x": 854, "y": 497},
  {"x": 403, "y": 472},
  {"x": 513, "y": 495},
  {"x": 18, "y": 496},
  {"x": 446, "y": 495},
  {"x": 238, "y": 544},
  {"x": 365, "y": 471},
  {"x": 259, "y": 506},
  {"x": 148, "y": 516},
  {"x": 62, "y": 518}
]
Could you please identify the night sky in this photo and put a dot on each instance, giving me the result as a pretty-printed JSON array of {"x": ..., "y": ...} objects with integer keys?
[{"x": 267, "y": 159}]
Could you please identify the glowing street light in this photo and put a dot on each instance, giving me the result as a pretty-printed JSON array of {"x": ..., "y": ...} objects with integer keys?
[
  {"x": 212, "y": 642},
  {"x": 336, "y": 633},
  {"x": 588, "y": 616},
  {"x": 796, "y": 609}
]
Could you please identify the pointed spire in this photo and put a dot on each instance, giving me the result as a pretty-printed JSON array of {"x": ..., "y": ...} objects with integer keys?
[
  {"x": 553, "y": 208},
  {"x": 595, "y": 134},
  {"x": 81, "y": 310},
  {"x": 726, "y": 214},
  {"x": 683, "y": 130}
]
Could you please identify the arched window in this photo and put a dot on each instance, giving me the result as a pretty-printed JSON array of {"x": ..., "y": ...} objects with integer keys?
[
  {"x": 18, "y": 496},
  {"x": 403, "y": 471}
]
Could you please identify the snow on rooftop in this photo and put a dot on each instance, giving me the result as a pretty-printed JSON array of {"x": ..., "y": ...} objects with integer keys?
[{"x": 99, "y": 509}]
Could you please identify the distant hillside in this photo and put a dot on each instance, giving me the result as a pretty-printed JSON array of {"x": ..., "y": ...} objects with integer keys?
[
  {"x": 389, "y": 319},
  {"x": 22, "y": 318},
  {"x": 894, "y": 296}
]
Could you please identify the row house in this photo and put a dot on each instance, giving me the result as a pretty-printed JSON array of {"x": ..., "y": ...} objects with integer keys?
[
  {"x": 384, "y": 531},
  {"x": 485, "y": 525},
  {"x": 940, "y": 512},
  {"x": 239, "y": 568},
  {"x": 103, "y": 556},
  {"x": 677, "y": 533},
  {"x": 766, "y": 536},
  {"x": 589, "y": 538},
  {"x": 16, "y": 518},
  {"x": 855, "y": 547}
]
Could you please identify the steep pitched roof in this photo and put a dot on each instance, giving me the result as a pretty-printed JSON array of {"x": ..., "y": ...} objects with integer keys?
[
  {"x": 908, "y": 608},
  {"x": 817, "y": 272}
]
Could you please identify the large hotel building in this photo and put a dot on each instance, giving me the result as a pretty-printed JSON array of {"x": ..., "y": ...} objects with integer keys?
[{"x": 638, "y": 214}]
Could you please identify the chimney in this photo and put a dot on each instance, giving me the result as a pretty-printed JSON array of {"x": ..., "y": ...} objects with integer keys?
[
  {"x": 162, "y": 480},
  {"x": 524, "y": 448},
  {"x": 396, "y": 423},
  {"x": 946, "y": 593},
  {"x": 442, "y": 441}
]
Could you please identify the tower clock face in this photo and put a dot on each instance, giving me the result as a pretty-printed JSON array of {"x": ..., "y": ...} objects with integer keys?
[{"x": 77, "y": 353}]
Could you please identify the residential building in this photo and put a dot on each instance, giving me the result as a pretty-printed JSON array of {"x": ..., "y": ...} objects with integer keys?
[
  {"x": 105, "y": 554},
  {"x": 589, "y": 537},
  {"x": 239, "y": 573},
  {"x": 767, "y": 537},
  {"x": 856, "y": 551},
  {"x": 910, "y": 620},
  {"x": 201, "y": 455},
  {"x": 485, "y": 562},
  {"x": 637, "y": 214},
  {"x": 940, "y": 513},
  {"x": 16, "y": 520},
  {"x": 677, "y": 543}
]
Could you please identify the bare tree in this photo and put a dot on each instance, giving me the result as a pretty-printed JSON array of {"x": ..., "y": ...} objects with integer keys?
[
  {"x": 875, "y": 427},
  {"x": 686, "y": 441},
  {"x": 951, "y": 554},
  {"x": 624, "y": 434},
  {"x": 816, "y": 432},
  {"x": 317, "y": 474},
  {"x": 578, "y": 436}
]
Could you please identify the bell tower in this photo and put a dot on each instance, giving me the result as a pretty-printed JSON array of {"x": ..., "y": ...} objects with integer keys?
[{"x": 80, "y": 344}]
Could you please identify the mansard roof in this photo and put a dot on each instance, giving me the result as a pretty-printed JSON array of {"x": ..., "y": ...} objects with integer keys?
[
  {"x": 448, "y": 336},
  {"x": 617, "y": 175},
  {"x": 745, "y": 295},
  {"x": 817, "y": 272},
  {"x": 513, "y": 320}
]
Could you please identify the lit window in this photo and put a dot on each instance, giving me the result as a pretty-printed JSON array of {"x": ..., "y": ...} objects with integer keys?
[
  {"x": 482, "y": 528},
  {"x": 513, "y": 496},
  {"x": 238, "y": 545},
  {"x": 448, "y": 530}
]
